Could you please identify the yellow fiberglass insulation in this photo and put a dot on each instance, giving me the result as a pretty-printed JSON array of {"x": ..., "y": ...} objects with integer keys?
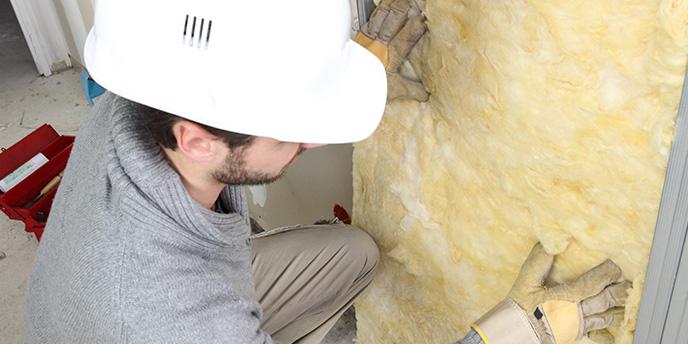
[{"x": 549, "y": 121}]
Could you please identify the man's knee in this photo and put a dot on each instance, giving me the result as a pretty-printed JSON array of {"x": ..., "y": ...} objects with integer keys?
[{"x": 362, "y": 251}]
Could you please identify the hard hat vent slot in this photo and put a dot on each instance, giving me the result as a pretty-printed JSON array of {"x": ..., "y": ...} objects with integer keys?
[{"x": 195, "y": 29}]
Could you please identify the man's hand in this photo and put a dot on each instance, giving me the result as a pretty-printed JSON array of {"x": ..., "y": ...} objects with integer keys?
[
  {"x": 557, "y": 315},
  {"x": 390, "y": 36}
]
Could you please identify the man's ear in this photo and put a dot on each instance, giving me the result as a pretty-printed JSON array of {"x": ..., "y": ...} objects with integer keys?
[{"x": 194, "y": 141}]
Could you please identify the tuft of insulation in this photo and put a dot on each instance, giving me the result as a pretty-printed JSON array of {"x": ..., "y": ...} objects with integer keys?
[{"x": 549, "y": 121}]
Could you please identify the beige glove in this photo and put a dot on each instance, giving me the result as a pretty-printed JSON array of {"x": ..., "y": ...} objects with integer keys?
[
  {"x": 533, "y": 313},
  {"x": 390, "y": 36}
]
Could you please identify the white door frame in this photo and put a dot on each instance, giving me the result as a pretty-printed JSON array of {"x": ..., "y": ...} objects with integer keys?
[
  {"x": 663, "y": 315},
  {"x": 40, "y": 24}
]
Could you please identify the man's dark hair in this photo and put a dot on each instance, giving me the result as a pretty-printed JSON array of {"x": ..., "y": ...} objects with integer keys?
[{"x": 160, "y": 124}]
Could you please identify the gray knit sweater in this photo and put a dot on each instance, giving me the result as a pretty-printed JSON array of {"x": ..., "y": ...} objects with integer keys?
[{"x": 128, "y": 257}]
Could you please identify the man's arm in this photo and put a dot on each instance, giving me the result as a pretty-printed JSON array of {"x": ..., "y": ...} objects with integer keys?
[{"x": 471, "y": 338}]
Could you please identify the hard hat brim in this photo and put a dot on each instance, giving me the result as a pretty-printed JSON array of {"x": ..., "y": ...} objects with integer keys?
[{"x": 362, "y": 99}]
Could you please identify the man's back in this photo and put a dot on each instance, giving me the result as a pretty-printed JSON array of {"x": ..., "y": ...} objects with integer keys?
[{"x": 128, "y": 256}]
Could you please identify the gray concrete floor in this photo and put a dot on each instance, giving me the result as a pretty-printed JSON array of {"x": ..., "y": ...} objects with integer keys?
[{"x": 27, "y": 101}]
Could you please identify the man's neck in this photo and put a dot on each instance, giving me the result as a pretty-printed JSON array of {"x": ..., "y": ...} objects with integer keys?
[
  {"x": 196, "y": 180},
  {"x": 205, "y": 195}
]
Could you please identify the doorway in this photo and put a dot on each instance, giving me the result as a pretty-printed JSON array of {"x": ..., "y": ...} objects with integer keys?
[{"x": 17, "y": 62}]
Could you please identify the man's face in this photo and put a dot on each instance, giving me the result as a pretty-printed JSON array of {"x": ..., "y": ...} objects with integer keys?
[{"x": 261, "y": 162}]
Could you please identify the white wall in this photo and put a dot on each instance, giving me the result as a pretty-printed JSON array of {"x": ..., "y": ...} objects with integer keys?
[{"x": 319, "y": 179}]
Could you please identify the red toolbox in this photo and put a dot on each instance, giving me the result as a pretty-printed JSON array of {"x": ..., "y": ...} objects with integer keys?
[{"x": 16, "y": 202}]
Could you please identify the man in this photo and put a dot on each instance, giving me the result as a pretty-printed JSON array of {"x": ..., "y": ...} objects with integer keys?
[{"x": 148, "y": 239}]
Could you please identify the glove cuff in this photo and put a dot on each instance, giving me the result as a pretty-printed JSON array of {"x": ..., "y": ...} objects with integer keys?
[
  {"x": 542, "y": 326},
  {"x": 506, "y": 323},
  {"x": 375, "y": 47}
]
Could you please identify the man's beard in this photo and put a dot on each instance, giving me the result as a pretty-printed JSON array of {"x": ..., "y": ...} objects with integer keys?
[{"x": 234, "y": 171}]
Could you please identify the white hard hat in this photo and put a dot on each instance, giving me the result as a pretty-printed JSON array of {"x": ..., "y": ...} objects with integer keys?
[{"x": 275, "y": 68}]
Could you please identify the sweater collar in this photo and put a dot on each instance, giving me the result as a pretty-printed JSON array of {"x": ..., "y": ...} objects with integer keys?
[{"x": 146, "y": 168}]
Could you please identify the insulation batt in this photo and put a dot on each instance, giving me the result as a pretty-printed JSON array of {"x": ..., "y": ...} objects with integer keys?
[{"x": 549, "y": 121}]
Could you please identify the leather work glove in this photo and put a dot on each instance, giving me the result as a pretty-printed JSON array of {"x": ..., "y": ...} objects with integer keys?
[
  {"x": 390, "y": 36},
  {"x": 534, "y": 313}
]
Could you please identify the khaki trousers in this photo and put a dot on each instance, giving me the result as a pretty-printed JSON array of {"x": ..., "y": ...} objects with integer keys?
[{"x": 307, "y": 276}]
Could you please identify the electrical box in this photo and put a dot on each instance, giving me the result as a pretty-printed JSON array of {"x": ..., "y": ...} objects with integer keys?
[{"x": 25, "y": 201}]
